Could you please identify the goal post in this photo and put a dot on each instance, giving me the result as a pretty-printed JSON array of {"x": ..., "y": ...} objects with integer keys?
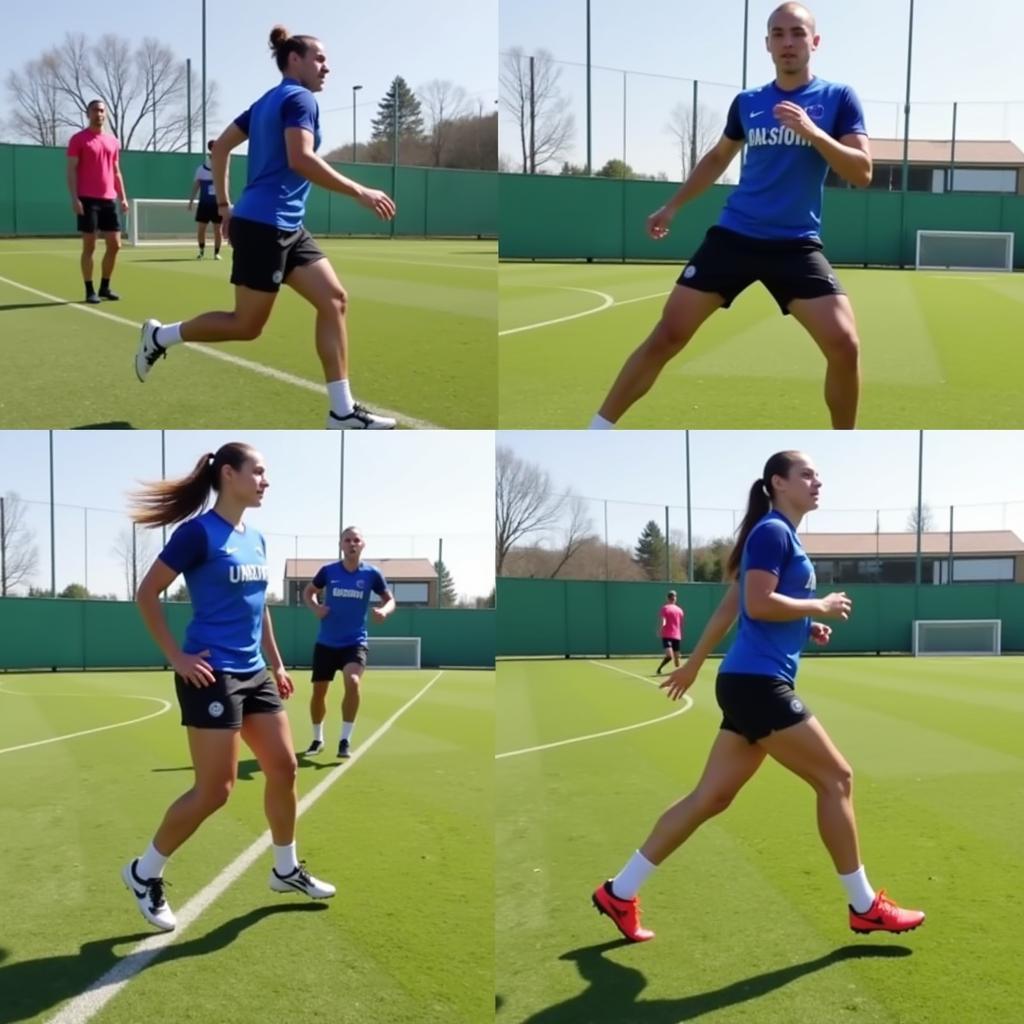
[
  {"x": 964, "y": 637},
  {"x": 964, "y": 250},
  {"x": 161, "y": 222},
  {"x": 393, "y": 652}
]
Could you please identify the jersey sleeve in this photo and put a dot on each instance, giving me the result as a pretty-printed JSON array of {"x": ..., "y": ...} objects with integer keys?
[
  {"x": 733, "y": 123},
  {"x": 320, "y": 579},
  {"x": 299, "y": 110},
  {"x": 379, "y": 584},
  {"x": 187, "y": 547},
  {"x": 199, "y": 170},
  {"x": 75, "y": 144},
  {"x": 243, "y": 121},
  {"x": 768, "y": 547},
  {"x": 850, "y": 116}
]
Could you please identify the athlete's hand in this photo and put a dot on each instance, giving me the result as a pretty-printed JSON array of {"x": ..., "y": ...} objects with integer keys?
[
  {"x": 793, "y": 116},
  {"x": 76, "y": 205},
  {"x": 836, "y": 606},
  {"x": 225, "y": 219},
  {"x": 194, "y": 668},
  {"x": 820, "y": 633},
  {"x": 124, "y": 205},
  {"x": 320, "y": 611},
  {"x": 658, "y": 222},
  {"x": 378, "y": 202},
  {"x": 679, "y": 681},
  {"x": 378, "y": 615},
  {"x": 285, "y": 686},
  {"x": 190, "y": 202}
]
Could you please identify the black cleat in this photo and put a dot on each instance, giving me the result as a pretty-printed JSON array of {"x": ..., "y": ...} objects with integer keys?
[{"x": 344, "y": 750}]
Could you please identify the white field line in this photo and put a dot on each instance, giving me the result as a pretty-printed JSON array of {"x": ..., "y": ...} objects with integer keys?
[
  {"x": 609, "y": 303},
  {"x": 100, "y": 992}
]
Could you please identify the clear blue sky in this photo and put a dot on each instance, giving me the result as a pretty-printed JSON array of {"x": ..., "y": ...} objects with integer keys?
[
  {"x": 971, "y": 55},
  {"x": 640, "y": 472},
  {"x": 404, "y": 490},
  {"x": 366, "y": 44}
]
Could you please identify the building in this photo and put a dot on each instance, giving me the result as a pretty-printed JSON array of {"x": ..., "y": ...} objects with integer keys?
[
  {"x": 413, "y": 581},
  {"x": 983, "y": 556}
]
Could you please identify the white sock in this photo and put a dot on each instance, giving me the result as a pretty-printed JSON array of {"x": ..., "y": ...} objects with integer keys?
[
  {"x": 346, "y": 730},
  {"x": 340, "y": 396},
  {"x": 600, "y": 423},
  {"x": 168, "y": 334},
  {"x": 318, "y": 732},
  {"x": 151, "y": 863},
  {"x": 859, "y": 893},
  {"x": 285, "y": 859},
  {"x": 626, "y": 884}
]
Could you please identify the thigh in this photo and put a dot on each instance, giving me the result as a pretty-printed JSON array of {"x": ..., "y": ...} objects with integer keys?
[
  {"x": 269, "y": 737},
  {"x": 316, "y": 281},
  {"x": 806, "y": 750},
  {"x": 829, "y": 320},
  {"x": 730, "y": 764},
  {"x": 113, "y": 239},
  {"x": 721, "y": 268},
  {"x": 214, "y": 755},
  {"x": 259, "y": 255},
  {"x": 353, "y": 672},
  {"x": 798, "y": 274},
  {"x": 253, "y": 307}
]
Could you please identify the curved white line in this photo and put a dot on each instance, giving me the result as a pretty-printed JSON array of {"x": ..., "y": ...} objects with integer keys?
[
  {"x": 589, "y": 312},
  {"x": 85, "y": 732},
  {"x": 607, "y": 732}
]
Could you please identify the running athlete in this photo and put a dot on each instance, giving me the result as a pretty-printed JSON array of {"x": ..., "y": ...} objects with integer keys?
[
  {"x": 773, "y": 594},
  {"x": 341, "y": 643},
  {"x": 206, "y": 212},
  {"x": 795, "y": 129},
  {"x": 670, "y": 629},
  {"x": 271, "y": 247},
  {"x": 224, "y": 688},
  {"x": 94, "y": 181}
]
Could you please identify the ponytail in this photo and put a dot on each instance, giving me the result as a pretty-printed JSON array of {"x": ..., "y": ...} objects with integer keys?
[{"x": 282, "y": 44}]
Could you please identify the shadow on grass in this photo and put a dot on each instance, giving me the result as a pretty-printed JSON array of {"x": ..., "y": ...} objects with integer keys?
[
  {"x": 249, "y": 769},
  {"x": 112, "y": 425},
  {"x": 32, "y": 987},
  {"x": 31, "y": 305},
  {"x": 614, "y": 993}
]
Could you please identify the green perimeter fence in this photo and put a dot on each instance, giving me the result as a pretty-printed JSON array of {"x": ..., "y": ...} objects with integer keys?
[
  {"x": 566, "y": 618},
  {"x": 45, "y": 633},
  {"x": 545, "y": 217},
  {"x": 431, "y": 201}
]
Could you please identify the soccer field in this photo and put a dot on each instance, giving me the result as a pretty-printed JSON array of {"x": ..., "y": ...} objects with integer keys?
[
  {"x": 421, "y": 320},
  {"x": 938, "y": 351},
  {"x": 750, "y": 918},
  {"x": 405, "y": 833}
]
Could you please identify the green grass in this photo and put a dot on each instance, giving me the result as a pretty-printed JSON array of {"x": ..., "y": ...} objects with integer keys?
[
  {"x": 938, "y": 351},
  {"x": 406, "y": 837},
  {"x": 421, "y": 330},
  {"x": 750, "y": 917}
]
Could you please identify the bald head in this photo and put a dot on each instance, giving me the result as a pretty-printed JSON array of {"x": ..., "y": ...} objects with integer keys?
[{"x": 796, "y": 10}]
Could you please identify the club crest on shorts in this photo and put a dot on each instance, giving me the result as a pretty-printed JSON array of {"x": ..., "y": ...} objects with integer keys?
[
  {"x": 690, "y": 271},
  {"x": 216, "y": 709},
  {"x": 278, "y": 277},
  {"x": 796, "y": 706}
]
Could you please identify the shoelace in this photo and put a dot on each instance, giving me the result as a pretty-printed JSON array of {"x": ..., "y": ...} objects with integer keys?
[
  {"x": 155, "y": 887},
  {"x": 158, "y": 351},
  {"x": 304, "y": 874},
  {"x": 884, "y": 905}
]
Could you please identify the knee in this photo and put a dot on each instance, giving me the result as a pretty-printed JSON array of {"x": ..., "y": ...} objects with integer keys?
[
  {"x": 669, "y": 338},
  {"x": 113, "y": 243},
  {"x": 88, "y": 245},
  {"x": 249, "y": 330},
  {"x": 713, "y": 801},
  {"x": 838, "y": 782},
  {"x": 284, "y": 771},
  {"x": 844, "y": 348},
  {"x": 337, "y": 302},
  {"x": 214, "y": 795},
  {"x": 351, "y": 685}
]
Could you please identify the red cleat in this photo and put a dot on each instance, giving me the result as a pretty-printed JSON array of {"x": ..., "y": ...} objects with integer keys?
[
  {"x": 884, "y": 916},
  {"x": 625, "y": 914}
]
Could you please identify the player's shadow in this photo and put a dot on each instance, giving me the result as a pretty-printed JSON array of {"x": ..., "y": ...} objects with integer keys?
[
  {"x": 33, "y": 987},
  {"x": 614, "y": 993},
  {"x": 247, "y": 769},
  {"x": 30, "y": 305},
  {"x": 111, "y": 425},
  {"x": 168, "y": 259}
]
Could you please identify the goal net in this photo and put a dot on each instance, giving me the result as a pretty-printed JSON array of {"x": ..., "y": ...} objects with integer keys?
[
  {"x": 957, "y": 636},
  {"x": 393, "y": 652},
  {"x": 163, "y": 222},
  {"x": 964, "y": 250}
]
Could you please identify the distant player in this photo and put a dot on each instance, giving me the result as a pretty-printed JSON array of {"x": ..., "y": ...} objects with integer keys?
[
  {"x": 271, "y": 246},
  {"x": 341, "y": 643},
  {"x": 670, "y": 629},
  {"x": 773, "y": 594},
  {"x": 795, "y": 129},
  {"x": 206, "y": 211},
  {"x": 94, "y": 181}
]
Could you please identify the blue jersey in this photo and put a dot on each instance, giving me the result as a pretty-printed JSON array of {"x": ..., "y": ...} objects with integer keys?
[
  {"x": 772, "y": 648},
  {"x": 225, "y": 571},
  {"x": 780, "y": 191},
  {"x": 347, "y": 597},
  {"x": 274, "y": 193},
  {"x": 204, "y": 175}
]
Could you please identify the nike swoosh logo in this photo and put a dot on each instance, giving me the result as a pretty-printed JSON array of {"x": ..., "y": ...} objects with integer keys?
[
  {"x": 137, "y": 893},
  {"x": 230, "y": 551},
  {"x": 758, "y": 114},
  {"x": 872, "y": 920}
]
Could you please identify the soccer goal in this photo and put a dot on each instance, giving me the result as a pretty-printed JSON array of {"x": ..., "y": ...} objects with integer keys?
[
  {"x": 393, "y": 652},
  {"x": 162, "y": 222},
  {"x": 957, "y": 636},
  {"x": 964, "y": 250}
]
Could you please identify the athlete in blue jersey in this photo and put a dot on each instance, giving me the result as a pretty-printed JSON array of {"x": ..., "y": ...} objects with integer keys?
[
  {"x": 206, "y": 211},
  {"x": 794, "y": 129},
  {"x": 224, "y": 688},
  {"x": 773, "y": 595},
  {"x": 271, "y": 247},
  {"x": 346, "y": 587}
]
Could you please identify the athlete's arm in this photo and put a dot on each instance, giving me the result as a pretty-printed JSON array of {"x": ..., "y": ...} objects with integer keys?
[
  {"x": 310, "y": 595},
  {"x": 763, "y": 603},
  {"x": 119, "y": 184},
  {"x": 679, "y": 681},
  {"x": 381, "y": 612},
  {"x": 192, "y": 195},
  {"x": 285, "y": 686},
  {"x": 76, "y": 203},
  {"x": 231, "y": 138},
  {"x": 849, "y": 155}
]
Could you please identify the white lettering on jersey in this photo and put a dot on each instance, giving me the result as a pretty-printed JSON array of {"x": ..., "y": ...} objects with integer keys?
[
  {"x": 347, "y": 592},
  {"x": 777, "y": 136},
  {"x": 248, "y": 574}
]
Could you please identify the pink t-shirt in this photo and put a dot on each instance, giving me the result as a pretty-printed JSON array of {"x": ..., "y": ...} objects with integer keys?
[
  {"x": 672, "y": 622},
  {"x": 97, "y": 160}
]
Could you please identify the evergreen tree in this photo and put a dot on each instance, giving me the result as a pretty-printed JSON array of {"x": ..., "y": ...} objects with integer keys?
[
  {"x": 446, "y": 586},
  {"x": 410, "y": 116},
  {"x": 650, "y": 551}
]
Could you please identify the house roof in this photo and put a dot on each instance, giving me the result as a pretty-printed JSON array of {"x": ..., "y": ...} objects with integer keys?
[
  {"x": 418, "y": 569},
  {"x": 933, "y": 542},
  {"x": 937, "y": 151}
]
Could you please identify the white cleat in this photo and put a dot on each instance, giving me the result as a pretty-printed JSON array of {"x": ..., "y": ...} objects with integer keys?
[
  {"x": 149, "y": 896},
  {"x": 149, "y": 351},
  {"x": 300, "y": 880},
  {"x": 360, "y": 418}
]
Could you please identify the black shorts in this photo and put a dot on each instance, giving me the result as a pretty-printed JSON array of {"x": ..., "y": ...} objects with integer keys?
[
  {"x": 727, "y": 263},
  {"x": 264, "y": 255},
  {"x": 755, "y": 706},
  {"x": 667, "y": 642},
  {"x": 224, "y": 703},
  {"x": 98, "y": 215},
  {"x": 328, "y": 660},
  {"x": 207, "y": 212}
]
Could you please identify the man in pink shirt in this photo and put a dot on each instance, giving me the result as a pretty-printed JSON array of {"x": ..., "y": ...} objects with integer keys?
[
  {"x": 670, "y": 631},
  {"x": 94, "y": 181}
]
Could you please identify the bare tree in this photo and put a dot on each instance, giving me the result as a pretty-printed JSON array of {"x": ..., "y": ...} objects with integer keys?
[
  {"x": 927, "y": 519},
  {"x": 535, "y": 102},
  {"x": 524, "y": 502},
  {"x": 19, "y": 558},
  {"x": 577, "y": 530},
  {"x": 36, "y": 103},
  {"x": 704, "y": 130},
  {"x": 136, "y": 554},
  {"x": 444, "y": 102}
]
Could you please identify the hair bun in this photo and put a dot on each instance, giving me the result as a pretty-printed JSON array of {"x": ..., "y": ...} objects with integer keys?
[{"x": 278, "y": 35}]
